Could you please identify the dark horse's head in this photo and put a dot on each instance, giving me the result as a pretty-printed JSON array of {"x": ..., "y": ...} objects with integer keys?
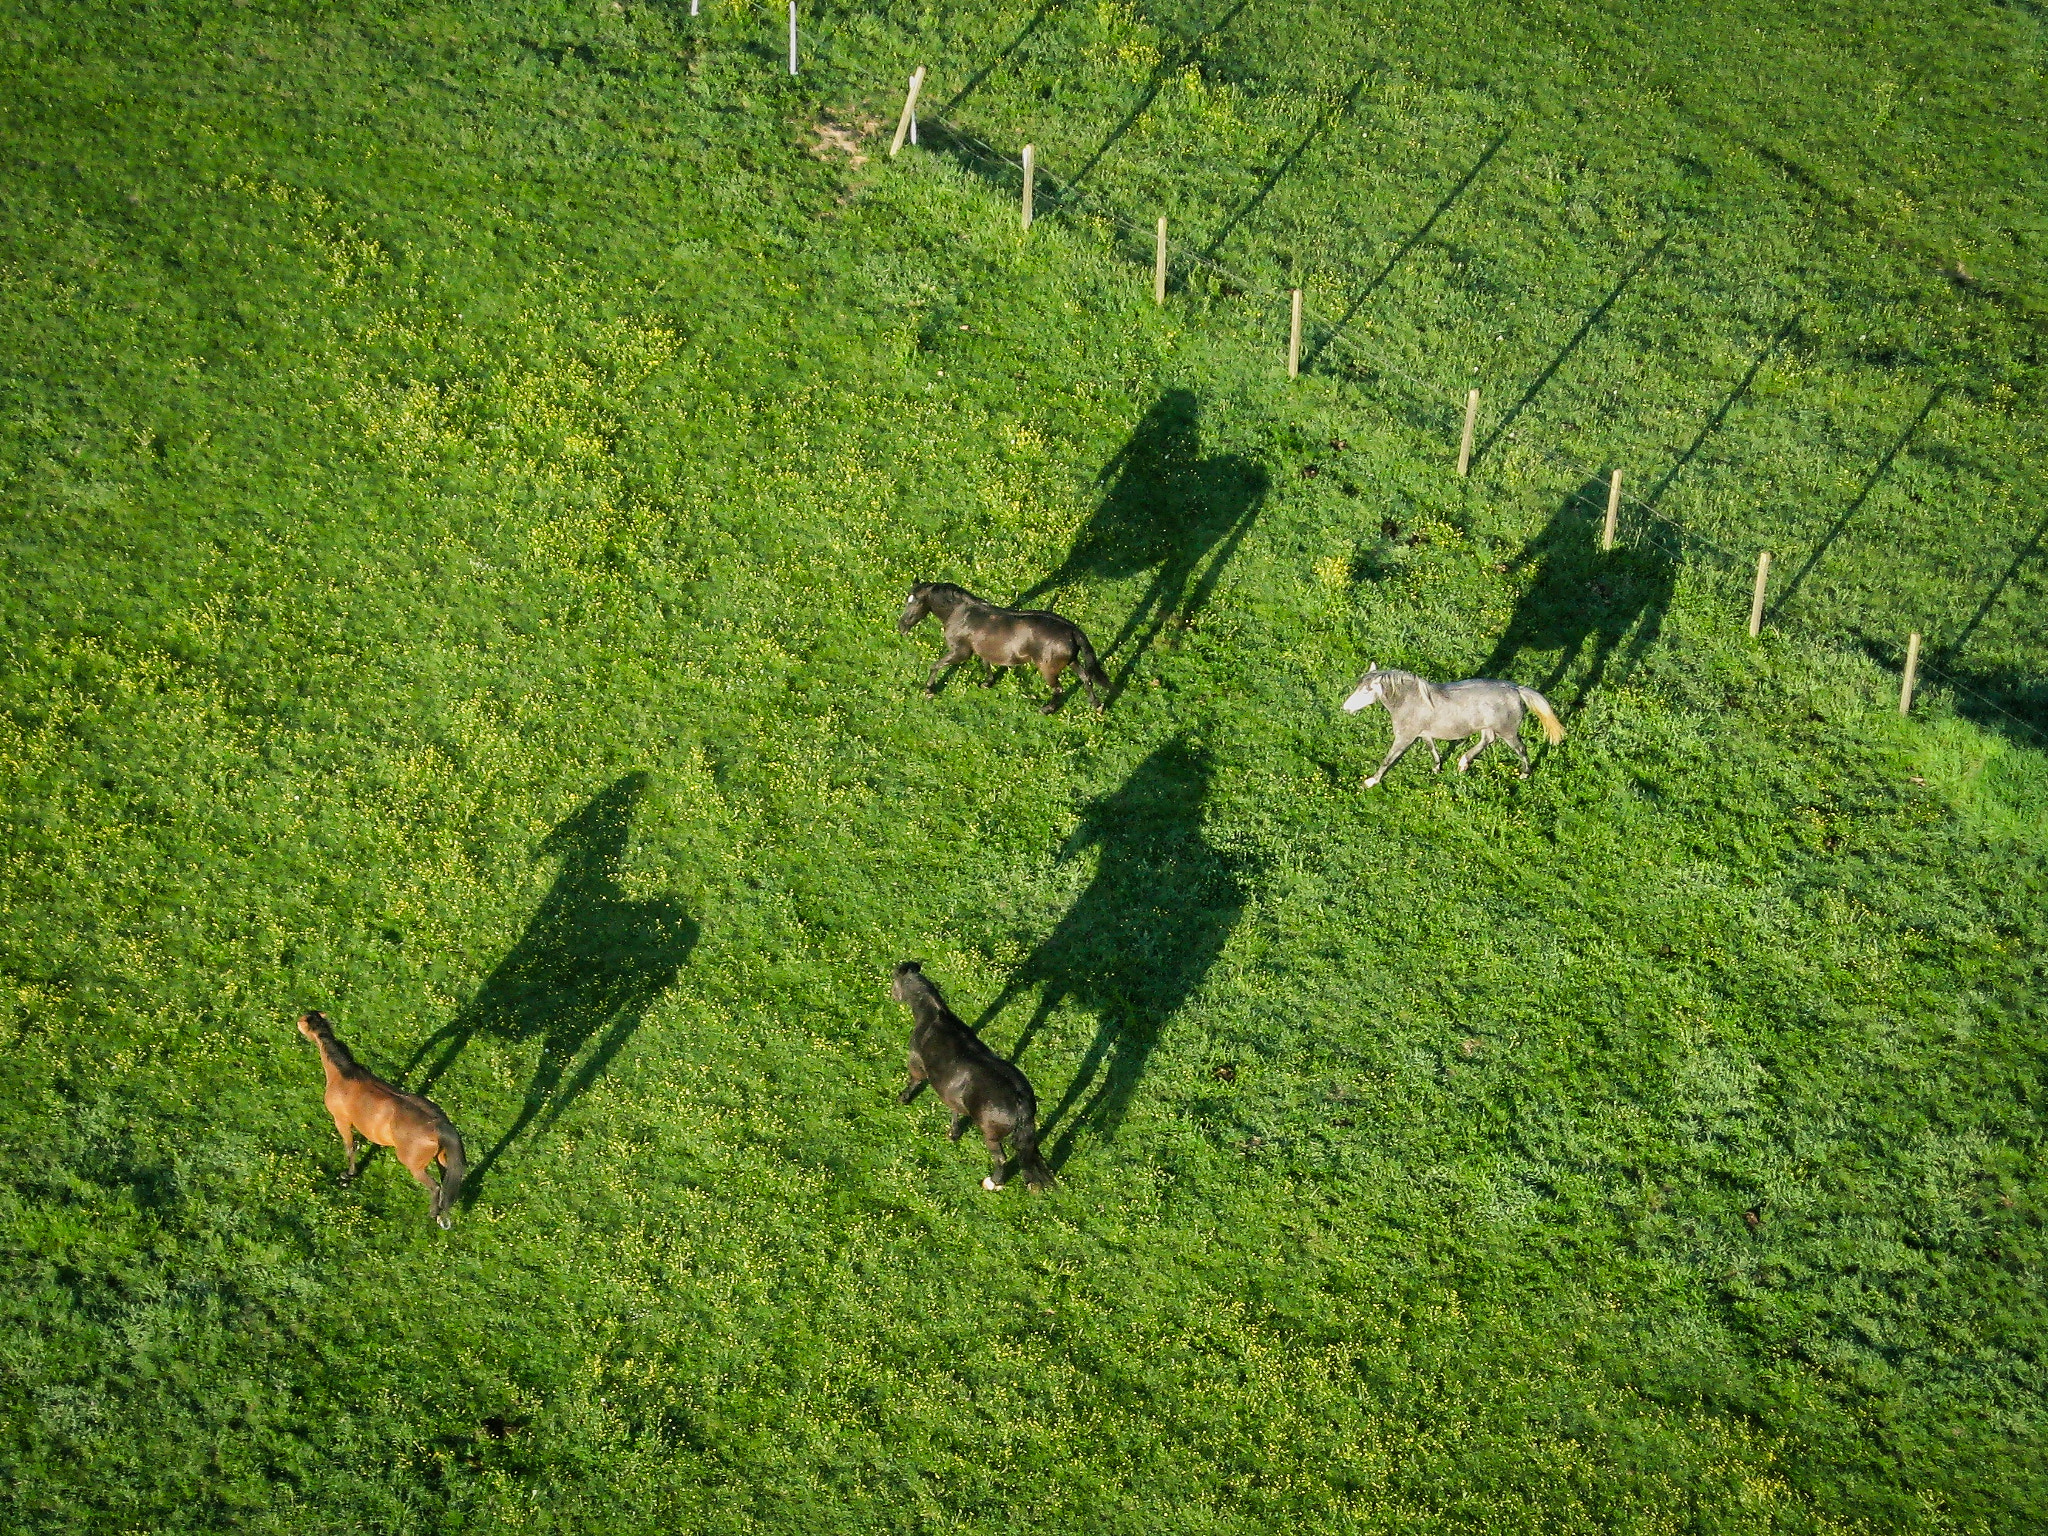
[
  {"x": 928, "y": 597},
  {"x": 908, "y": 981}
]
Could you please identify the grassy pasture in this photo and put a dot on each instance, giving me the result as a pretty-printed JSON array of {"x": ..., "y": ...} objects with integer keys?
[{"x": 461, "y": 469}]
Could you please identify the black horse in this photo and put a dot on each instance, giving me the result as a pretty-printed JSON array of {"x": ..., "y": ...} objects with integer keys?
[
  {"x": 970, "y": 1079},
  {"x": 1003, "y": 637}
]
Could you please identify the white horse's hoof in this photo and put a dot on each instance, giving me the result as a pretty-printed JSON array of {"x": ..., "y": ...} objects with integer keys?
[
  {"x": 447, "y": 1223},
  {"x": 1373, "y": 782},
  {"x": 990, "y": 1185}
]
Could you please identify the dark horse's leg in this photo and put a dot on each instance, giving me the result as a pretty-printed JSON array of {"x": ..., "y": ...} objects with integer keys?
[
  {"x": 955, "y": 654},
  {"x": 995, "y": 675},
  {"x": 959, "y": 1124},
  {"x": 994, "y": 1138},
  {"x": 1050, "y": 670}
]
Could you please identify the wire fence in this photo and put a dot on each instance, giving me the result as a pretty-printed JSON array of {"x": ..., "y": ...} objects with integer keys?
[
  {"x": 1439, "y": 403},
  {"x": 1433, "y": 405}
]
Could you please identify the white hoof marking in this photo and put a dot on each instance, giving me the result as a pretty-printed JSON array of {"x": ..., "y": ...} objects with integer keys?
[{"x": 990, "y": 1185}]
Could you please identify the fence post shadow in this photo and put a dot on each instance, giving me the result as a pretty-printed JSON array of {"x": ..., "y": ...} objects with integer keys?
[
  {"x": 1251, "y": 206},
  {"x": 1136, "y": 944},
  {"x": 1855, "y": 505},
  {"x": 584, "y": 973},
  {"x": 1327, "y": 334},
  {"x": 1501, "y": 427}
]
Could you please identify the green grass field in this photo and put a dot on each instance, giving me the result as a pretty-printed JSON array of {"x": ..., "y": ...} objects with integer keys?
[{"x": 461, "y": 470}]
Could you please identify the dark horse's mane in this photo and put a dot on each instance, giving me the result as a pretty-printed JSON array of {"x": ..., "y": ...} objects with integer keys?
[{"x": 343, "y": 1058}]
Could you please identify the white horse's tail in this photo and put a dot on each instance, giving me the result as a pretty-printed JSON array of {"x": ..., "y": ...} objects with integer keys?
[{"x": 1540, "y": 707}]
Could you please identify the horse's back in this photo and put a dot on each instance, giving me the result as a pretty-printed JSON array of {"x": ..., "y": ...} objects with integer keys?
[{"x": 1473, "y": 704}]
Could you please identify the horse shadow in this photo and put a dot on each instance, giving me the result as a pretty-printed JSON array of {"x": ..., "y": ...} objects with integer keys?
[
  {"x": 1137, "y": 942},
  {"x": 591, "y": 962},
  {"x": 1168, "y": 510},
  {"x": 1585, "y": 598}
]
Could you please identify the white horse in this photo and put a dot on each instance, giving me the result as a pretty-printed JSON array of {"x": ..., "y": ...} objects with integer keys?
[{"x": 1479, "y": 705}]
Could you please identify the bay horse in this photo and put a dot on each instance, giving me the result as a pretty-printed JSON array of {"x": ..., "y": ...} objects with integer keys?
[
  {"x": 1003, "y": 637},
  {"x": 411, "y": 1126},
  {"x": 970, "y": 1079},
  {"x": 1451, "y": 712}
]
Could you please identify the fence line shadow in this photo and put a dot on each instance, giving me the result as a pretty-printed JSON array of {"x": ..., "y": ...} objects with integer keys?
[
  {"x": 1136, "y": 944},
  {"x": 1326, "y": 335},
  {"x": 590, "y": 963},
  {"x": 1870, "y": 483},
  {"x": 1585, "y": 596},
  {"x": 1501, "y": 427},
  {"x": 1166, "y": 509}
]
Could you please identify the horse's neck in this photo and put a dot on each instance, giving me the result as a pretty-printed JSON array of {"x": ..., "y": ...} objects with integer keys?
[
  {"x": 338, "y": 1071},
  {"x": 957, "y": 600}
]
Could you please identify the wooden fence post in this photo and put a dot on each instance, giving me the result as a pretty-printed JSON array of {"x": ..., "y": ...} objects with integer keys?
[
  {"x": 1294, "y": 338},
  {"x": 1159, "y": 267},
  {"x": 1030, "y": 175},
  {"x": 1756, "y": 601},
  {"x": 1465, "y": 442},
  {"x": 1613, "y": 511},
  {"x": 909, "y": 112},
  {"x": 792, "y": 36},
  {"x": 1912, "y": 669}
]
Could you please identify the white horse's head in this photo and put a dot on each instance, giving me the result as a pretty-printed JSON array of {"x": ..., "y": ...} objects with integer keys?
[{"x": 1367, "y": 693}]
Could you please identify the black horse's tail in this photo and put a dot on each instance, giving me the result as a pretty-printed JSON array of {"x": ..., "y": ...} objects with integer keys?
[
  {"x": 1085, "y": 662},
  {"x": 1025, "y": 1139},
  {"x": 452, "y": 1169}
]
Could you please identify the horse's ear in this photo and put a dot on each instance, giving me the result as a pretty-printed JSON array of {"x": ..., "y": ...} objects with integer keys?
[{"x": 1373, "y": 667}]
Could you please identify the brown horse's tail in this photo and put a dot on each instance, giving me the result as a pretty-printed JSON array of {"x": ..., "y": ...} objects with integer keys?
[
  {"x": 1552, "y": 727},
  {"x": 1025, "y": 1139},
  {"x": 452, "y": 1169}
]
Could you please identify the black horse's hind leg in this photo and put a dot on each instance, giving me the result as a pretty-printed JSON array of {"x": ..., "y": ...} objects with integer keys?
[
  {"x": 996, "y": 1160},
  {"x": 959, "y": 1124}
]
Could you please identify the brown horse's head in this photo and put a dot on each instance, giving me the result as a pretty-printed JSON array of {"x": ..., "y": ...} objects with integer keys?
[
  {"x": 313, "y": 1024},
  {"x": 915, "y": 608}
]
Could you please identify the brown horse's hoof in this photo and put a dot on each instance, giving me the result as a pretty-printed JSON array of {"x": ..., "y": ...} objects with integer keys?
[
  {"x": 1049, "y": 707},
  {"x": 447, "y": 1223},
  {"x": 931, "y": 693}
]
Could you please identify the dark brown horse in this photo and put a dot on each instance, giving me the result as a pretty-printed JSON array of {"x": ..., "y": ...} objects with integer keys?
[
  {"x": 1003, "y": 637},
  {"x": 970, "y": 1079},
  {"x": 411, "y": 1126}
]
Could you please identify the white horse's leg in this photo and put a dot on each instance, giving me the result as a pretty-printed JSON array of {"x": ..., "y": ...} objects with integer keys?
[
  {"x": 1465, "y": 762},
  {"x": 1401, "y": 744},
  {"x": 1436, "y": 753}
]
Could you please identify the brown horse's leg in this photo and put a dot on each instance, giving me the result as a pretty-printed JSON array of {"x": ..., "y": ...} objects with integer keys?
[
  {"x": 994, "y": 1138},
  {"x": 995, "y": 675},
  {"x": 418, "y": 1156},
  {"x": 348, "y": 1143}
]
